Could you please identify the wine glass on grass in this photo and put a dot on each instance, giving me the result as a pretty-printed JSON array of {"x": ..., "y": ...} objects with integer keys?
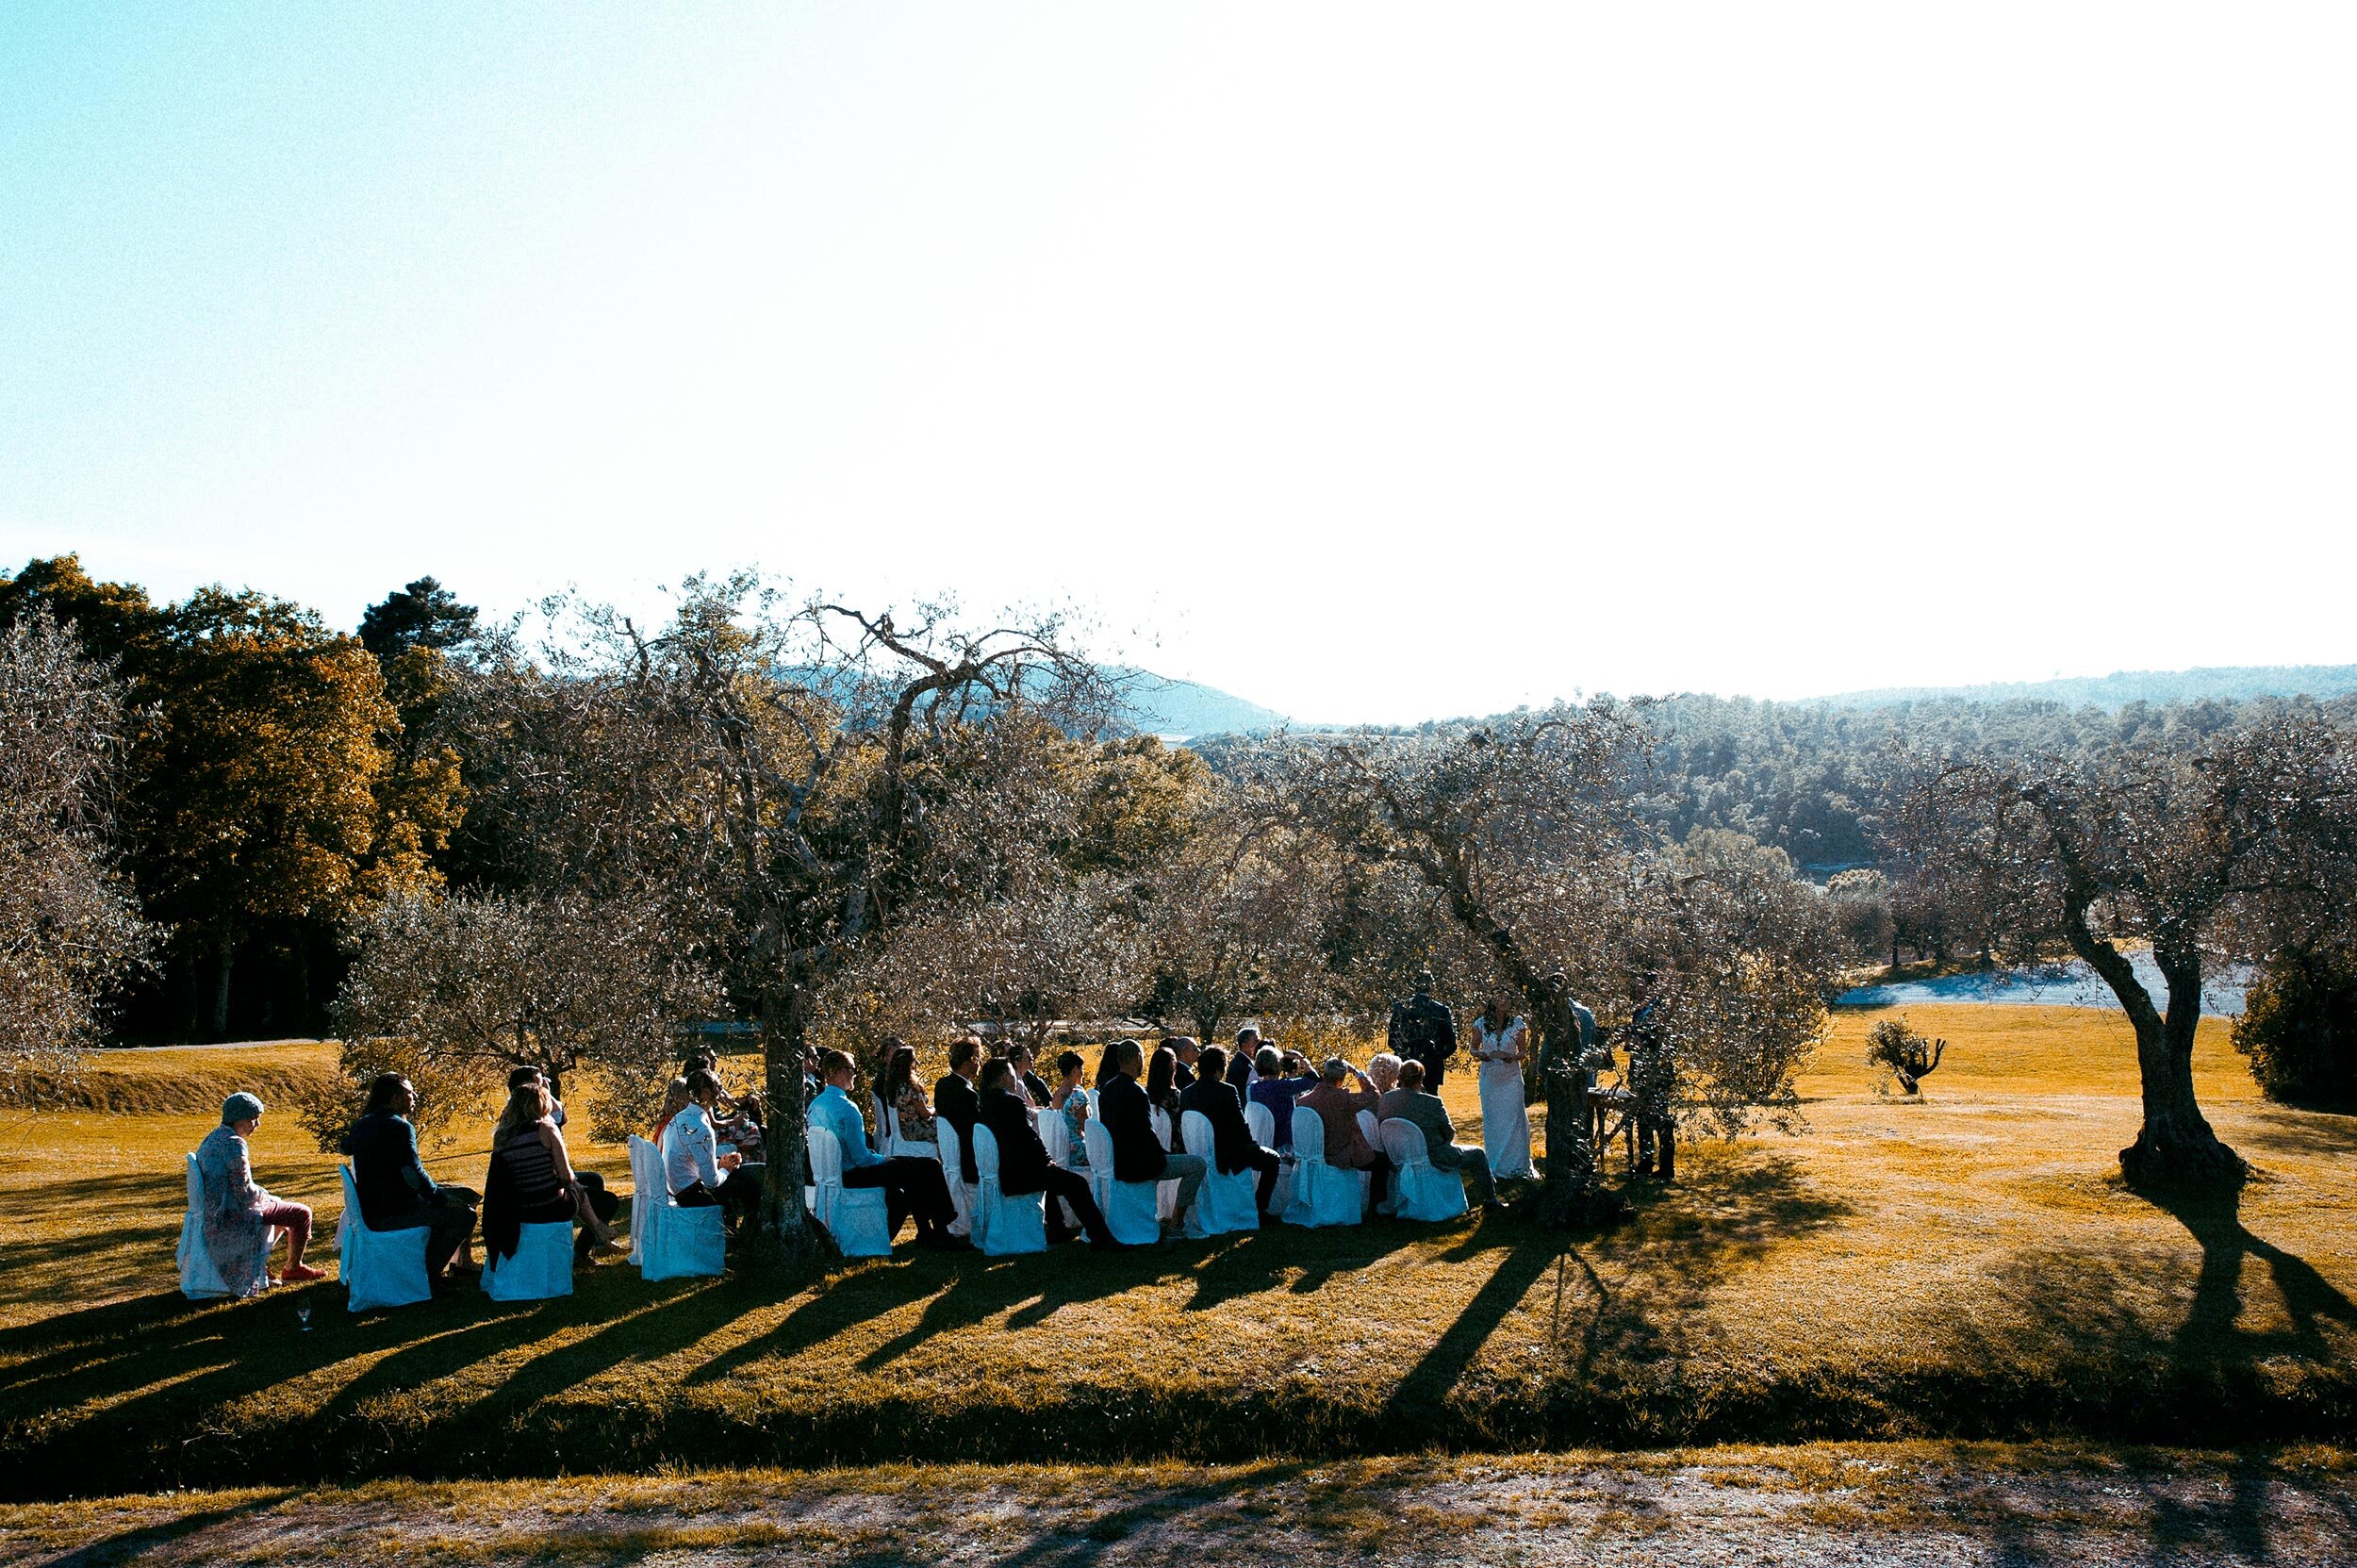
[{"x": 302, "y": 1313}]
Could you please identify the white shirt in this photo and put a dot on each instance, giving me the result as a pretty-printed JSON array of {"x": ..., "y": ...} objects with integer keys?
[{"x": 690, "y": 1151}]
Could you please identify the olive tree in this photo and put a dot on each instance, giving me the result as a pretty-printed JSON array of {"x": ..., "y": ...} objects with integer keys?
[
  {"x": 2203, "y": 845},
  {"x": 457, "y": 992},
  {"x": 68, "y": 930}
]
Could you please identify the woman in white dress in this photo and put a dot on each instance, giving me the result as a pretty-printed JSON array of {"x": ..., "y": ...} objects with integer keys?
[{"x": 1498, "y": 1037}]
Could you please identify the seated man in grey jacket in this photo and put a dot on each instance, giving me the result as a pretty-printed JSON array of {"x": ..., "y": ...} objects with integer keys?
[{"x": 1410, "y": 1103}]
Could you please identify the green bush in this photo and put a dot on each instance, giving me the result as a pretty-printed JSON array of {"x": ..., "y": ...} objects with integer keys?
[{"x": 2301, "y": 1031}]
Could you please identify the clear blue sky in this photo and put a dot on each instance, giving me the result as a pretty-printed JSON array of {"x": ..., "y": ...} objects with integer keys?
[{"x": 1370, "y": 362}]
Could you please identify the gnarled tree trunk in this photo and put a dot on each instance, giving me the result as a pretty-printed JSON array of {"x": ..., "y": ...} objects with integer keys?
[
  {"x": 2175, "y": 1144},
  {"x": 787, "y": 1237}
]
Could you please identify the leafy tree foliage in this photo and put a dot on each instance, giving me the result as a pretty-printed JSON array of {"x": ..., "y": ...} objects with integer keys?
[
  {"x": 2299, "y": 1028},
  {"x": 68, "y": 933}
]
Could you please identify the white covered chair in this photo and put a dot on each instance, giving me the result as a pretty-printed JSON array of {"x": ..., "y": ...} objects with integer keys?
[
  {"x": 1263, "y": 1125},
  {"x": 1323, "y": 1194},
  {"x": 1367, "y": 1129},
  {"x": 541, "y": 1268},
  {"x": 1166, "y": 1195},
  {"x": 1055, "y": 1135},
  {"x": 1420, "y": 1189},
  {"x": 379, "y": 1268},
  {"x": 1223, "y": 1203},
  {"x": 952, "y": 1154},
  {"x": 859, "y": 1218},
  {"x": 668, "y": 1242},
  {"x": 199, "y": 1280},
  {"x": 1006, "y": 1225},
  {"x": 1131, "y": 1206}
]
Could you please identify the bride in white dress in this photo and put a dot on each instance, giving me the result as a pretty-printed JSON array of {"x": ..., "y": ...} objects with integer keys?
[{"x": 1498, "y": 1038}]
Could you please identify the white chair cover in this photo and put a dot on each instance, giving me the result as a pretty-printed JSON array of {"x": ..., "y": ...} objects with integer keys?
[
  {"x": 1129, "y": 1206},
  {"x": 1420, "y": 1190},
  {"x": 1323, "y": 1194},
  {"x": 1006, "y": 1225},
  {"x": 541, "y": 1268},
  {"x": 952, "y": 1155},
  {"x": 199, "y": 1280},
  {"x": 666, "y": 1241},
  {"x": 1223, "y": 1203},
  {"x": 859, "y": 1218},
  {"x": 379, "y": 1268},
  {"x": 1367, "y": 1128},
  {"x": 1055, "y": 1135},
  {"x": 1167, "y": 1194},
  {"x": 1263, "y": 1123}
]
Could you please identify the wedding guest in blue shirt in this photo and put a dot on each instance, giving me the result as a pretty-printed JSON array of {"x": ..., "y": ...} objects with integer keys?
[{"x": 913, "y": 1187}]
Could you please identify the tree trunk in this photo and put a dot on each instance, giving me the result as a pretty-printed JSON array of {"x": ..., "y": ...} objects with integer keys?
[
  {"x": 787, "y": 1240},
  {"x": 2175, "y": 1146},
  {"x": 225, "y": 960}
]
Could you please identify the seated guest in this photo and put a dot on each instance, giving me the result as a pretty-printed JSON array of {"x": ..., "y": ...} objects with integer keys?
[
  {"x": 1023, "y": 1164},
  {"x": 1129, "y": 1118},
  {"x": 1347, "y": 1145},
  {"x": 1412, "y": 1103},
  {"x": 1185, "y": 1053},
  {"x": 1232, "y": 1146},
  {"x": 906, "y": 1096},
  {"x": 911, "y": 1186},
  {"x": 601, "y": 1204},
  {"x": 1283, "y": 1080},
  {"x": 956, "y": 1098},
  {"x": 697, "y": 1174},
  {"x": 1246, "y": 1058},
  {"x": 674, "y": 1101},
  {"x": 1384, "y": 1070},
  {"x": 747, "y": 1130},
  {"x": 1240, "y": 1077},
  {"x": 1073, "y": 1105},
  {"x": 1034, "y": 1087},
  {"x": 1069, "y": 1070},
  {"x": 1162, "y": 1091},
  {"x": 396, "y": 1194},
  {"x": 239, "y": 1214},
  {"x": 532, "y": 1180}
]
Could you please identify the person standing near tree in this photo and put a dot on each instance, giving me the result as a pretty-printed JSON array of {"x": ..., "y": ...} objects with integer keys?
[
  {"x": 1424, "y": 1030},
  {"x": 1499, "y": 1035},
  {"x": 1652, "y": 1079}
]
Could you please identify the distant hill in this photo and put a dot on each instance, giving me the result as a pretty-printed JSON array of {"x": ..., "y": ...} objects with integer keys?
[
  {"x": 1159, "y": 705},
  {"x": 2132, "y": 686}
]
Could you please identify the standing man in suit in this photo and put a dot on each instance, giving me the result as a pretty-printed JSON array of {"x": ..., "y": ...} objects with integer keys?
[
  {"x": 1023, "y": 1164},
  {"x": 1424, "y": 1030},
  {"x": 1188, "y": 1051},
  {"x": 1233, "y": 1148},
  {"x": 956, "y": 1099},
  {"x": 1129, "y": 1118}
]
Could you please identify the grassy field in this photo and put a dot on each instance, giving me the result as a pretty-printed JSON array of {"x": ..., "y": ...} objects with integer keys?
[{"x": 1966, "y": 1267}]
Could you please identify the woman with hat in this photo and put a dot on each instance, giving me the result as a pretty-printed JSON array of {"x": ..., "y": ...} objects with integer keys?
[{"x": 239, "y": 1214}]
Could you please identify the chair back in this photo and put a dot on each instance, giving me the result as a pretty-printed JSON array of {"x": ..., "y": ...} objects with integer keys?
[
  {"x": 1366, "y": 1126},
  {"x": 826, "y": 1156},
  {"x": 1403, "y": 1143},
  {"x": 1055, "y": 1135},
  {"x": 1308, "y": 1136},
  {"x": 1264, "y": 1124},
  {"x": 886, "y": 1139},
  {"x": 196, "y": 1187},
  {"x": 953, "y": 1152},
  {"x": 985, "y": 1154},
  {"x": 1161, "y": 1120},
  {"x": 1100, "y": 1148},
  {"x": 1194, "y": 1130}
]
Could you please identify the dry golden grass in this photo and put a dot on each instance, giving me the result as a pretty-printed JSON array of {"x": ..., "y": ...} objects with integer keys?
[{"x": 1965, "y": 1267}]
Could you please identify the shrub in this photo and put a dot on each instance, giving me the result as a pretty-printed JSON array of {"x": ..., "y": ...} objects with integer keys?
[
  {"x": 1902, "y": 1053},
  {"x": 2299, "y": 1031}
]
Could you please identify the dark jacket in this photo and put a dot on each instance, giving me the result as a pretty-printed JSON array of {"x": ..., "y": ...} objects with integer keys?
[
  {"x": 1183, "y": 1076},
  {"x": 1231, "y": 1135},
  {"x": 391, "y": 1178},
  {"x": 1042, "y": 1095},
  {"x": 1129, "y": 1118},
  {"x": 1022, "y": 1158},
  {"x": 955, "y": 1102}
]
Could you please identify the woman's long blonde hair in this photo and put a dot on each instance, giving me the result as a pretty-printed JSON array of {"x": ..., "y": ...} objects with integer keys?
[{"x": 527, "y": 1105}]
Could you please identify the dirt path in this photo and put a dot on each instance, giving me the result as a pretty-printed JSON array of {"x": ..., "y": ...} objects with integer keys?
[{"x": 1827, "y": 1505}]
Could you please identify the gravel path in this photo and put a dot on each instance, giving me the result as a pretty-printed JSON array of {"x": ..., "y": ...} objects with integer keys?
[{"x": 1825, "y": 1505}]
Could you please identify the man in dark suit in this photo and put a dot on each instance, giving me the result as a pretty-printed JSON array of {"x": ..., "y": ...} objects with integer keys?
[
  {"x": 1232, "y": 1147},
  {"x": 955, "y": 1099},
  {"x": 1411, "y": 1103},
  {"x": 1188, "y": 1050},
  {"x": 1019, "y": 1057},
  {"x": 1023, "y": 1162},
  {"x": 1424, "y": 1030},
  {"x": 1129, "y": 1118}
]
